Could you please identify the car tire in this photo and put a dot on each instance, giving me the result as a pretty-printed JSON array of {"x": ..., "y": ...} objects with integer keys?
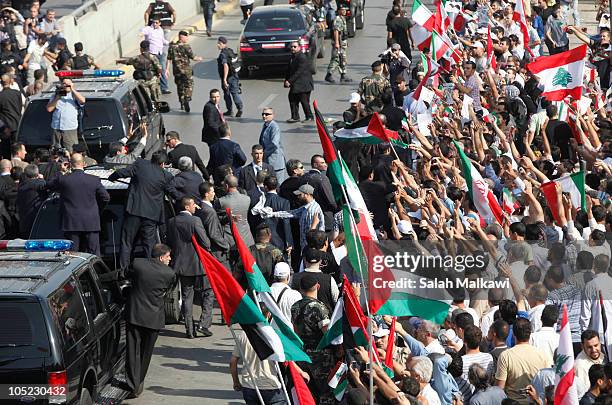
[
  {"x": 85, "y": 397},
  {"x": 172, "y": 305},
  {"x": 360, "y": 19},
  {"x": 352, "y": 26}
]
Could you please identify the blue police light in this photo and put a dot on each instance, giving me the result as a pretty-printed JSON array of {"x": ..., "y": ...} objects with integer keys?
[
  {"x": 74, "y": 74},
  {"x": 48, "y": 245}
]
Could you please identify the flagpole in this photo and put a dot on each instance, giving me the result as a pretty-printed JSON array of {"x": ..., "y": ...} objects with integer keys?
[{"x": 244, "y": 364}]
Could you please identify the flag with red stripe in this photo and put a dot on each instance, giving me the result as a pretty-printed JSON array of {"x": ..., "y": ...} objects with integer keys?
[
  {"x": 561, "y": 75},
  {"x": 565, "y": 393},
  {"x": 300, "y": 394}
]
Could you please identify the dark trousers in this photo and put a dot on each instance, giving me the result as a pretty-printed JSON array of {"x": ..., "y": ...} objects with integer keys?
[
  {"x": 232, "y": 92},
  {"x": 268, "y": 2},
  {"x": 295, "y": 99},
  {"x": 208, "y": 9},
  {"x": 190, "y": 286},
  {"x": 88, "y": 242},
  {"x": 560, "y": 49},
  {"x": 131, "y": 226},
  {"x": 270, "y": 397},
  {"x": 140, "y": 344}
]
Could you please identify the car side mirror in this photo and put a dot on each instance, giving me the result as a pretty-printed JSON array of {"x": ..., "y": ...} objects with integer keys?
[{"x": 163, "y": 107}]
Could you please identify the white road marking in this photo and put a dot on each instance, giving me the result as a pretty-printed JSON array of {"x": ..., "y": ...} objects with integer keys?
[{"x": 267, "y": 101}]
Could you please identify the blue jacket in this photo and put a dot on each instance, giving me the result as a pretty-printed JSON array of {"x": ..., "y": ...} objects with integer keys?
[{"x": 274, "y": 153}]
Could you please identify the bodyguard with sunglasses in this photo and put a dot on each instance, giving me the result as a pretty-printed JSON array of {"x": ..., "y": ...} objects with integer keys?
[
  {"x": 299, "y": 81},
  {"x": 270, "y": 139}
]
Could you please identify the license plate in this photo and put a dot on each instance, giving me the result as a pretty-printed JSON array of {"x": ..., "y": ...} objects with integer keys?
[{"x": 275, "y": 45}]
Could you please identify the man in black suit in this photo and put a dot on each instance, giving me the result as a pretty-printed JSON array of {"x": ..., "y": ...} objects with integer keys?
[
  {"x": 11, "y": 104},
  {"x": 31, "y": 193},
  {"x": 82, "y": 198},
  {"x": 220, "y": 240},
  {"x": 151, "y": 279},
  {"x": 187, "y": 182},
  {"x": 323, "y": 193},
  {"x": 180, "y": 149},
  {"x": 247, "y": 178},
  {"x": 145, "y": 205},
  {"x": 299, "y": 81},
  {"x": 188, "y": 266},
  {"x": 213, "y": 118},
  {"x": 280, "y": 227},
  {"x": 225, "y": 151}
]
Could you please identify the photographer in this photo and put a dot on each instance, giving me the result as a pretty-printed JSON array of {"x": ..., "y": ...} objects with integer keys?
[{"x": 65, "y": 106}]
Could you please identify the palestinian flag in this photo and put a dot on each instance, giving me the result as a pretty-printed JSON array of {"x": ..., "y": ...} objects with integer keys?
[
  {"x": 337, "y": 380},
  {"x": 478, "y": 190},
  {"x": 334, "y": 171},
  {"x": 334, "y": 334},
  {"x": 237, "y": 307},
  {"x": 254, "y": 276},
  {"x": 561, "y": 75},
  {"x": 520, "y": 17},
  {"x": 361, "y": 131},
  {"x": 300, "y": 394},
  {"x": 422, "y": 16},
  {"x": 354, "y": 314},
  {"x": 573, "y": 184},
  {"x": 490, "y": 53},
  {"x": 510, "y": 203},
  {"x": 565, "y": 391},
  {"x": 388, "y": 364}
]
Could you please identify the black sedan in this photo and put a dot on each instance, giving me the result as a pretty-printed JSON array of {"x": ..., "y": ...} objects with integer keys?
[{"x": 267, "y": 36}]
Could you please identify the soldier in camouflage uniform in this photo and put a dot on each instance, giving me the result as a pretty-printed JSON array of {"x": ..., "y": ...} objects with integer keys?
[
  {"x": 339, "y": 37},
  {"x": 372, "y": 88},
  {"x": 147, "y": 70},
  {"x": 310, "y": 318},
  {"x": 181, "y": 55}
]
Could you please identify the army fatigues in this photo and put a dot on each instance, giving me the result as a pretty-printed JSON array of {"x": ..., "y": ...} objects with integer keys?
[
  {"x": 308, "y": 315},
  {"x": 181, "y": 56},
  {"x": 371, "y": 89},
  {"x": 147, "y": 71},
  {"x": 338, "y": 55}
]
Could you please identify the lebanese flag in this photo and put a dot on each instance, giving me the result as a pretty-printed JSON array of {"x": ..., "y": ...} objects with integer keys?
[
  {"x": 422, "y": 16},
  {"x": 521, "y": 18},
  {"x": 237, "y": 307},
  {"x": 561, "y": 75},
  {"x": 300, "y": 394},
  {"x": 439, "y": 46},
  {"x": 565, "y": 393},
  {"x": 573, "y": 184},
  {"x": 483, "y": 198},
  {"x": 490, "y": 53}
]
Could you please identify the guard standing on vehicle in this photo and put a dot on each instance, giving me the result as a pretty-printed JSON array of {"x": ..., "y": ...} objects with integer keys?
[
  {"x": 339, "y": 37},
  {"x": 229, "y": 77},
  {"x": 181, "y": 54},
  {"x": 147, "y": 70}
]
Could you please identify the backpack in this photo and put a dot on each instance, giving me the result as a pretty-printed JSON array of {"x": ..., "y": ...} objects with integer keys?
[
  {"x": 233, "y": 61},
  {"x": 80, "y": 62},
  {"x": 145, "y": 72}
]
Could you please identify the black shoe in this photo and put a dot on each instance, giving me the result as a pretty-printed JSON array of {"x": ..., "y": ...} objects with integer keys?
[
  {"x": 166, "y": 92},
  {"x": 186, "y": 105},
  {"x": 345, "y": 79},
  {"x": 208, "y": 34},
  {"x": 204, "y": 332},
  {"x": 308, "y": 119},
  {"x": 238, "y": 113},
  {"x": 228, "y": 114},
  {"x": 329, "y": 78},
  {"x": 191, "y": 335},
  {"x": 132, "y": 395},
  {"x": 293, "y": 120}
]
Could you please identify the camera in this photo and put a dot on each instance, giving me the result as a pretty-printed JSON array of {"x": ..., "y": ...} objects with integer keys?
[{"x": 61, "y": 90}]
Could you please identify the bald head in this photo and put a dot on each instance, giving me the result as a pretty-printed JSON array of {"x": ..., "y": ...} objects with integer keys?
[
  {"x": 5, "y": 166},
  {"x": 6, "y": 80},
  {"x": 76, "y": 161}
]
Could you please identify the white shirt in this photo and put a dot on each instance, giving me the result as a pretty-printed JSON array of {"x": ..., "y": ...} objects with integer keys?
[
  {"x": 590, "y": 316},
  {"x": 545, "y": 340},
  {"x": 535, "y": 317},
  {"x": 487, "y": 320},
  {"x": 431, "y": 395},
  {"x": 36, "y": 53},
  {"x": 288, "y": 298},
  {"x": 582, "y": 364},
  {"x": 435, "y": 347}
]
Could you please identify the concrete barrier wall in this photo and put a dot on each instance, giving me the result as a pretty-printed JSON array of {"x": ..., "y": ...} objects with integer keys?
[{"x": 112, "y": 30}]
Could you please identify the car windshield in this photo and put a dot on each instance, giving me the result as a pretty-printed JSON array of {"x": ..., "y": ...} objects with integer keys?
[
  {"x": 27, "y": 335},
  {"x": 101, "y": 123},
  {"x": 287, "y": 22}
]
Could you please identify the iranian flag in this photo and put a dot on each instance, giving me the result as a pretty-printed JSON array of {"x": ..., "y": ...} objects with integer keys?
[
  {"x": 561, "y": 75},
  {"x": 439, "y": 46},
  {"x": 441, "y": 20},
  {"x": 334, "y": 334},
  {"x": 565, "y": 391},
  {"x": 420, "y": 36},
  {"x": 573, "y": 184},
  {"x": 237, "y": 307},
  {"x": 337, "y": 380},
  {"x": 368, "y": 132},
  {"x": 509, "y": 202},
  {"x": 478, "y": 190},
  {"x": 300, "y": 394},
  {"x": 422, "y": 16}
]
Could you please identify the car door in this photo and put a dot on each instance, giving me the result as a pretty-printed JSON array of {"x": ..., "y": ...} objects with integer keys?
[{"x": 101, "y": 321}]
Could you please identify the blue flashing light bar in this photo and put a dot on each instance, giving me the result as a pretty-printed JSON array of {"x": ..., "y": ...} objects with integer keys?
[
  {"x": 89, "y": 73},
  {"x": 37, "y": 245}
]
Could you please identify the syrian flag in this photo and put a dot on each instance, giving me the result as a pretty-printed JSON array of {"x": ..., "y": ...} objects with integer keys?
[
  {"x": 254, "y": 276},
  {"x": 479, "y": 192},
  {"x": 565, "y": 393},
  {"x": 561, "y": 75},
  {"x": 334, "y": 334},
  {"x": 370, "y": 133},
  {"x": 237, "y": 307},
  {"x": 490, "y": 53},
  {"x": 422, "y": 16},
  {"x": 573, "y": 184},
  {"x": 510, "y": 203},
  {"x": 520, "y": 17},
  {"x": 337, "y": 380},
  {"x": 300, "y": 394}
]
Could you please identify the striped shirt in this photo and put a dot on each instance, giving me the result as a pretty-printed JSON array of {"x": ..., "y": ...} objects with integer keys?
[
  {"x": 571, "y": 296},
  {"x": 305, "y": 214}
]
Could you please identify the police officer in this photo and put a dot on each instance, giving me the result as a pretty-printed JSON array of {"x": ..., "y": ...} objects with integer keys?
[
  {"x": 230, "y": 83},
  {"x": 181, "y": 54},
  {"x": 162, "y": 11},
  {"x": 147, "y": 70},
  {"x": 372, "y": 87},
  {"x": 339, "y": 46}
]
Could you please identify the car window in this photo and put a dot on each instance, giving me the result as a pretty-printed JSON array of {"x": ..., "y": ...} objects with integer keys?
[
  {"x": 145, "y": 97},
  {"x": 108, "y": 285},
  {"x": 276, "y": 22},
  {"x": 69, "y": 313},
  {"x": 130, "y": 109},
  {"x": 91, "y": 295},
  {"x": 101, "y": 122},
  {"x": 23, "y": 332},
  {"x": 142, "y": 105}
]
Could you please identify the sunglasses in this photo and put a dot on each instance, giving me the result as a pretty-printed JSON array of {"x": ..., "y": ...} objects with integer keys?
[
  {"x": 300, "y": 167},
  {"x": 295, "y": 46},
  {"x": 265, "y": 114}
]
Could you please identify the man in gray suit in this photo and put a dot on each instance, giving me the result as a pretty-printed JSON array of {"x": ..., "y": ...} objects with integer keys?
[
  {"x": 188, "y": 266},
  {"x": 220, "y": 240},
  {"x": 118, "y": 155},
  {"x": 239, "y": 205},
  {"x": 270, "y": 139}
]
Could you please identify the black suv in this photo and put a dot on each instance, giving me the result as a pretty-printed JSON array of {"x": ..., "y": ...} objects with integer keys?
[
  {"x": 112, "y": 106},
  {"x": 62, "y": 321}
]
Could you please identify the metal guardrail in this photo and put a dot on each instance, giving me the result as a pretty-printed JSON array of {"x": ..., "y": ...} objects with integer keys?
[{"x": 88, "y": 6}]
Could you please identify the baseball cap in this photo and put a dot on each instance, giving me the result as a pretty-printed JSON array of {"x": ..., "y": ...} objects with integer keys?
[
  {"x": 478, "y": 44},
  {"x": 404, "y": 226},
  {"x": 396, "y": 46},
  {"x": 184, "y": 33},
  {"x": 312, "y": 255},
  {"x": 355, "y": 98},
  {"x": 282, "y": 269},
  {"x": 223, "y": 40},
  {"x": 381, "y": 332},
  {"x": 308, "y": 281},
  {"x": 304, "y": 189}
]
